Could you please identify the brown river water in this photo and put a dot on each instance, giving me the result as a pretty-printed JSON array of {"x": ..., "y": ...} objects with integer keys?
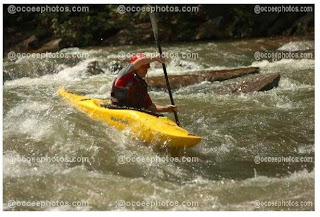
[{"x": 256, "y": 154}]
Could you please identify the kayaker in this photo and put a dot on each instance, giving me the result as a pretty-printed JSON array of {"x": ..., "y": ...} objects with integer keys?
[{"x": 130, "y": 89}]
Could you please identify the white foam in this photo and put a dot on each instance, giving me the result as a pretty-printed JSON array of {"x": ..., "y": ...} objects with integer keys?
[
  {"x": 25, "y": 118},
  {"x": 297, "y": 46},
  {"x": 21, "y": 108},
  {"x": 305, "y": 149},
  {"x": 15, "y": 165},
  {"x": 288, "y": 84},
  {"x": 259, "y": 180},
  {"x": 175, "y": 67},
  {"x": 75, "y": 73},
  {"x": 285, "y": 64}
]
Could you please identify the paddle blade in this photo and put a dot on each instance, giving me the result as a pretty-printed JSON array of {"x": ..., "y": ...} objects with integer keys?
[{"x": 153, "y": 18}]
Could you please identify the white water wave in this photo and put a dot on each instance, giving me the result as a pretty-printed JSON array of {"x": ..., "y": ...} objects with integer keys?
[
  {"x": 284, "y": 65},
  {"x": 297, "y": 46}
]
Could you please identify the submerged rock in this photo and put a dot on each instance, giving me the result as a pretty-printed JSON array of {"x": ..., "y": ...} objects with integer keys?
[
  {"x": 116, "y": 66},
  {"x": 94, "y": 68}
]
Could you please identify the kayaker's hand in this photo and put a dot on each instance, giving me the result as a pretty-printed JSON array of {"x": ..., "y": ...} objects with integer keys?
[
  {"x": 172, "y": 108},
  {"x": 159, "y": 59}
]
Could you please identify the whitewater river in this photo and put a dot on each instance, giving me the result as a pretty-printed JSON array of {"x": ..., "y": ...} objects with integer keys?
[{"x": 228, "y": 169}]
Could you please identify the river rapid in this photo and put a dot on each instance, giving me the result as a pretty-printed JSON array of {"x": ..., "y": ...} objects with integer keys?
[{"x": 228, "y": 170}]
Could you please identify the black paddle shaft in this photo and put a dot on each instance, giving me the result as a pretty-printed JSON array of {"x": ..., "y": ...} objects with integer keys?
[
  {"x": 168, "y": 86},
  {"x": 155, "y": 31}
]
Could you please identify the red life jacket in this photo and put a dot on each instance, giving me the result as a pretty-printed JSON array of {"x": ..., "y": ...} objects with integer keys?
[{"x": 134, "y": 93}]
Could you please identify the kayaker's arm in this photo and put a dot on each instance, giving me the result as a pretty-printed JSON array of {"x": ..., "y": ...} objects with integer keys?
[
  {"x": 137, "y": 64},
  {"x": 147, "y": 60},
  {"x": 162, "y": 108}
]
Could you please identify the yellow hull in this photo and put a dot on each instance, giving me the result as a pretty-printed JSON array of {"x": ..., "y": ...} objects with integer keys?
[{"x": 148, "y": 128}]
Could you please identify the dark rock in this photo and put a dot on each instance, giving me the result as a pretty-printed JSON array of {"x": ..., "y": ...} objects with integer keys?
[
  {"x": 94, "y": 69},
  {"x": 177, "y": 81},
  {"x": 115, "y": 66},
  {"x": 51, "y": 46},
  {"x": 268, "y": 82},
  {"x": 30, "y": 43},
  {"x": 258, "y": 83}
]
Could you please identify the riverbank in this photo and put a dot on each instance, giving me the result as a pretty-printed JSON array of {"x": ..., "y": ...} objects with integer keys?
[{"x": 105, "y": 26}]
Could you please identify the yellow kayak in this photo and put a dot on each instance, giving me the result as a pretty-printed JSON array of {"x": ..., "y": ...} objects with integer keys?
[{"x": 148, "y": 127}]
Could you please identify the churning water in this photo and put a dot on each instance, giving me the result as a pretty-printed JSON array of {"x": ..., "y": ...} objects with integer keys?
[{"x": 238, "y": 132}]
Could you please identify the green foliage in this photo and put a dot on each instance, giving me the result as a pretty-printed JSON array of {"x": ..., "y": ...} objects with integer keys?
[
  {"x": 84, "y": 29},
  {"x": 102, "y": 22}
]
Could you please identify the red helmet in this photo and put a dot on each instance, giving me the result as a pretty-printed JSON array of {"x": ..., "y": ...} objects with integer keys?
[{"x": 137, "y": 56}]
